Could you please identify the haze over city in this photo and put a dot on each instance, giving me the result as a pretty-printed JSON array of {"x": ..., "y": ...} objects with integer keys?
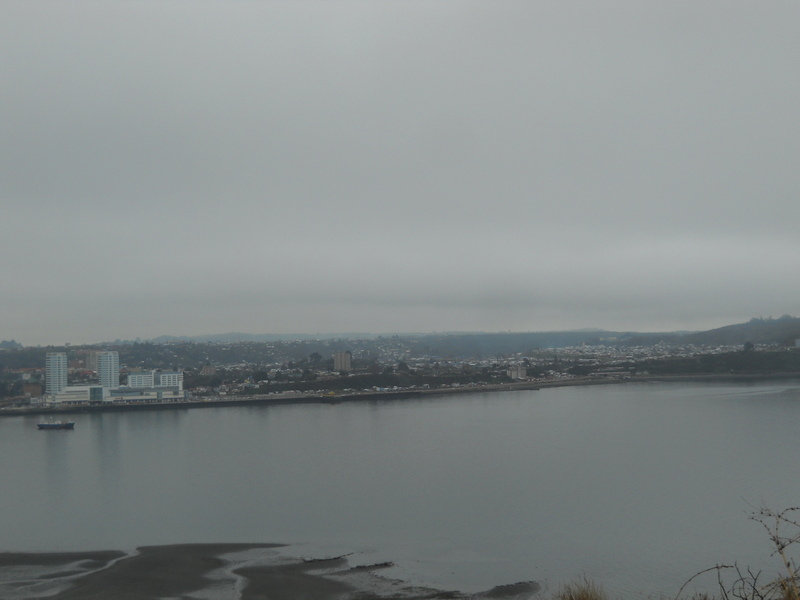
[{"x": 203, "y": 167}]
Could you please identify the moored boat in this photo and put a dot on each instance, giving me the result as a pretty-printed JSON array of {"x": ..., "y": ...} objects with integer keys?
[{"x": 57, "y": 425}]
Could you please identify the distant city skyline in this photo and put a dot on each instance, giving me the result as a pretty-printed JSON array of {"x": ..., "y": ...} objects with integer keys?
[
  {"x": 141, "y": 386},
  {"x": 177, "y": 168}
]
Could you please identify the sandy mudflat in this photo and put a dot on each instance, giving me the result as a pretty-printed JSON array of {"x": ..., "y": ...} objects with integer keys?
[{"x": 211, "y": 572}]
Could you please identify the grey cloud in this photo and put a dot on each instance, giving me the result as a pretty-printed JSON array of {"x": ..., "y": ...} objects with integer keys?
[{"x": 350, "y": 165}]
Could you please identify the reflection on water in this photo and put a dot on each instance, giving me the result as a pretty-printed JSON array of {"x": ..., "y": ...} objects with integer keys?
[
  {"x": 56, "y": 464},
  {"x": 637, "y": 485}
]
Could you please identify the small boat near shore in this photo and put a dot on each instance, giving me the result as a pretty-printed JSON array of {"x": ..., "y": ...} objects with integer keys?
[{"x": 57, "y": 425}]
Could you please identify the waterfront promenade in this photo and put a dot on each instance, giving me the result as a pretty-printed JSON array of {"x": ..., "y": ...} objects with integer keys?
[{"x": 283, "y": 398}]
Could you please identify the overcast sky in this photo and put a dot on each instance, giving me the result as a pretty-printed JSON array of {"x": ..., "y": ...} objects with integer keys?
[{"x": 198, "y": 167}]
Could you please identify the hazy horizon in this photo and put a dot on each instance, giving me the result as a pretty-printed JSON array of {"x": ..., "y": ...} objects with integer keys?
[
  {"x": 288, "y": 335},
  {"x": 300, "y": 336},
  {"x": 179, "y": 168}
]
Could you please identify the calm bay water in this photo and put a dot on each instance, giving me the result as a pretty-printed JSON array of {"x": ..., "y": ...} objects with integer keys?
[{"x": 638, "y": 486}]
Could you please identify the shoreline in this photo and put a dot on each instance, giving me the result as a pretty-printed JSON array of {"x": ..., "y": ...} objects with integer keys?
[
  {"x": 247, "y": 571},
  {"x": 301, "y": 398}
]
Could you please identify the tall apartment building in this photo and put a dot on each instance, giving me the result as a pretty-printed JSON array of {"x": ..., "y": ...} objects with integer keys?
[
  {"x": 342, "y": 361},
  {"x": 90, "y": 360},
  {"x": 55, "y": 370},
  {"x": 517, "y": 372},
  {"x": 108, "y": 368}
]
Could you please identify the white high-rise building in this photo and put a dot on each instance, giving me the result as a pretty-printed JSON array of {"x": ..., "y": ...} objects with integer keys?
[
  {"x": 108, "y": 368},
  {"x": 55, "y": 369}
]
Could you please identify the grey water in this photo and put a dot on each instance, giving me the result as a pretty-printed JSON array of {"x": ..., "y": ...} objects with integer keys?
[{"x": 637, "y": 486}]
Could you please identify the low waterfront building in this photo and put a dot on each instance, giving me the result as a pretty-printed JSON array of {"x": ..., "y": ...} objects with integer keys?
[
  {"x": 124, "y": 395},
  {"x": 79, "y": 394},
  {"x": 169, "y": 379},
  {"x": 142, "y": 379},
  {"x": 156, "y": 379}
]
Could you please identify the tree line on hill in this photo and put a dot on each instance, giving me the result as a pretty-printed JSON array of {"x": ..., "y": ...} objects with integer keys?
[{"x": 782, "y": 331}]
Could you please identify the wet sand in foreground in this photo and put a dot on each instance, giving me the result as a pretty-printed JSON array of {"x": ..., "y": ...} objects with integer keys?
[{"x": 210, "y": 572}]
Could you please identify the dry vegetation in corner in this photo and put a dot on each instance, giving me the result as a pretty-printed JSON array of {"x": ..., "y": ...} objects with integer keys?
[
  {"x": 783, "y": 530},
  {"x": 582, "y": 589}
]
